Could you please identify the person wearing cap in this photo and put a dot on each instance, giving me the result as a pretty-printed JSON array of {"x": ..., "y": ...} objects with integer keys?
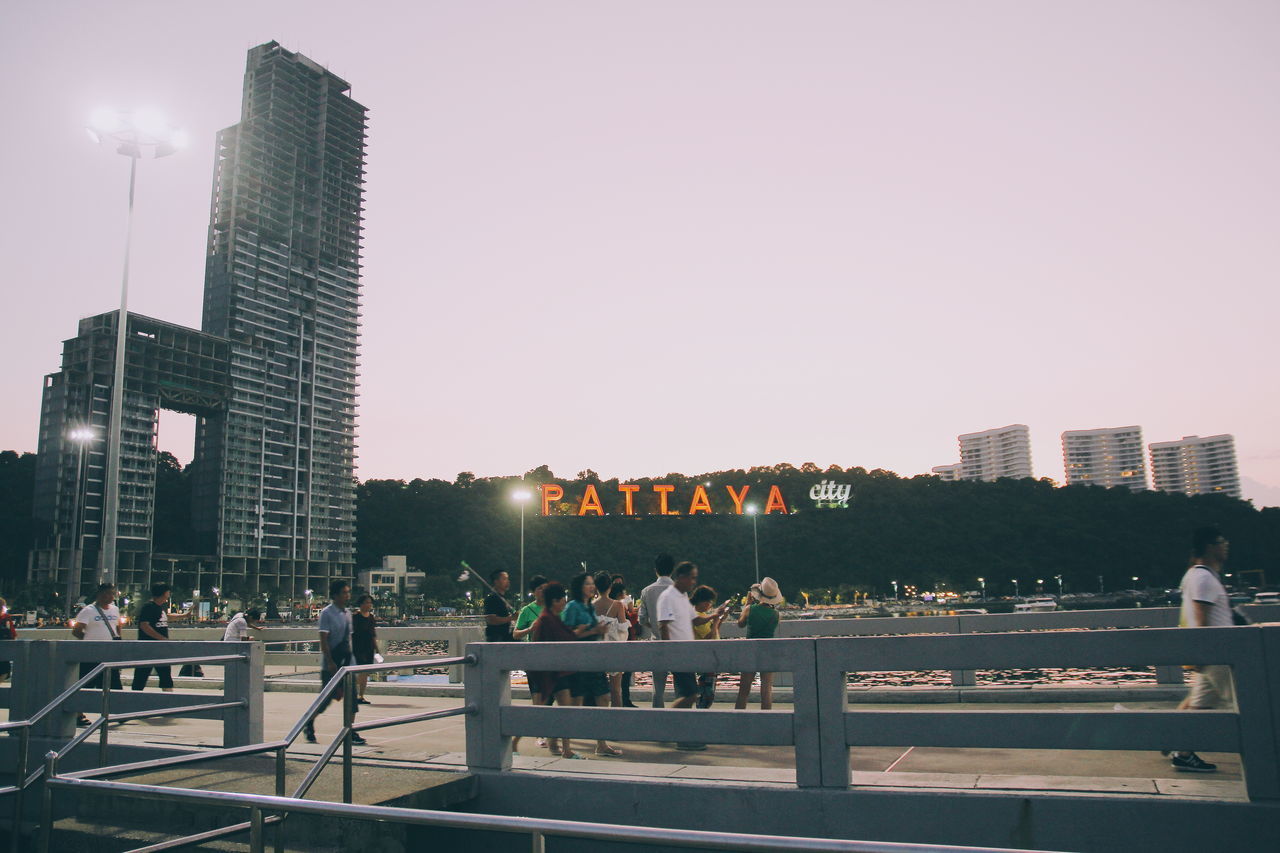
[{"x": 760, "y": 618}]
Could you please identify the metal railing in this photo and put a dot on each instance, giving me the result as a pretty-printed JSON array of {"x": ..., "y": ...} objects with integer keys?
[
  {"x": 538, "y": 829},
  {"x": 22, "y": 780},
  {"x": 344, "y": 680}
]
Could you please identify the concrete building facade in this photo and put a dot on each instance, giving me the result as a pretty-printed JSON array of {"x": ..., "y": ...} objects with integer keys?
[
  {"x": 282, "y": 284},
  {"x": 1113, "y": 456},
  {"x": 947, "y": 473},
  {"x": 995, "y": 453},
  {"x": 1196, "y": 466}
]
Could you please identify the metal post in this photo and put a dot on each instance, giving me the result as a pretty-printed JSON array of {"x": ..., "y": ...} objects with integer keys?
[
  {"x": 111, "y": 503},
  {"x": 106, "y": 716},
  {"x": 539, "y": 842},
  {"x": 255, "y": 830},
  {"x": 281, "y": 772},
  {"x": 77, "y": 567},
  {"x": 520, "y": 591},
  {"x": 46, "y": 801},
  {"x": 24, "y": 743},
  {"x": 755, "y": 539},
  {"x": 348, "y": 720}
]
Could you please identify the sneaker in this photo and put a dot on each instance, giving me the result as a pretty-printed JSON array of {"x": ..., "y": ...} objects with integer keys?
[
  {"x": 310, "y": 734},
  {"x": 691, "y": 747},
  {"x": 357, "y": 740},
  {"x": 1192, "y": 763},
  {"x": 82, "y": 721}
]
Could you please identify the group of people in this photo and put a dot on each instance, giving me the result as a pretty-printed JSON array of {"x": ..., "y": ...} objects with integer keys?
[{"x": 598, "y": 607}]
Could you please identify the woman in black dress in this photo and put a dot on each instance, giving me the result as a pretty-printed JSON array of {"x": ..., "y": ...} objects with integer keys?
[{"x": 364, "y": 640}]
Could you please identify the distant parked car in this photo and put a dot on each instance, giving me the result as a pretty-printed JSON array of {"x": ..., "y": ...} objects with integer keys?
[{"x": 1267, "y": 598}]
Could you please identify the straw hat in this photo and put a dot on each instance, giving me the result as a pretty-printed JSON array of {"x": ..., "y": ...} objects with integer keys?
[{"x": 767, "y": 592}]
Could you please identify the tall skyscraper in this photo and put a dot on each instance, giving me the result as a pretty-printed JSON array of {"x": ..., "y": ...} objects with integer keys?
[
  {"x": 996, "y": 453},
  {"x": 1196, "y": 466},
  {"x": 1105, "y": 457},
  {"x": 282, "y": 283}
]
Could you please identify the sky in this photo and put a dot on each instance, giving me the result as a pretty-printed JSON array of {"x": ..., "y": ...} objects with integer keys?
[{"x": 652, "y": 237}]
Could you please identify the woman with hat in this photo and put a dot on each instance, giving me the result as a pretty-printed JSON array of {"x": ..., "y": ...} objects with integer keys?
[{"x": 760, "y": 618}]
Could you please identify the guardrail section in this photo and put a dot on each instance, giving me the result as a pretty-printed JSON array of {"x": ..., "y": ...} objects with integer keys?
[
  {"x": 497, "y": 721},
  {"x": 1250, "y": 730}
]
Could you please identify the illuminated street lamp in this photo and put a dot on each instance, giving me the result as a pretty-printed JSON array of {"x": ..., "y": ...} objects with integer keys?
[
  {"x": 1135, "y": 582},
  {"x": 895, "y": 590},
  {"x": 753, "y": 511},
  {"x": 132, "y": 134},
  {"x": 1015, "y": 587},
  {"x": 982, "y": 582},
  {"x": 521, "y": 496},
  {"x": 1058, "y": 578}
]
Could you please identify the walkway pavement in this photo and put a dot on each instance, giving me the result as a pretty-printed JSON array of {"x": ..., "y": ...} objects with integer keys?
[{"x": 439, "y": 744}]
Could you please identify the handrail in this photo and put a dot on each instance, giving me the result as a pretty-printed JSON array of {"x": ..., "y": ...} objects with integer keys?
[
  {"x": 344, "y": 678},
  {"x": 538, "y": 828},
  {"x": 23, "y": 780}
]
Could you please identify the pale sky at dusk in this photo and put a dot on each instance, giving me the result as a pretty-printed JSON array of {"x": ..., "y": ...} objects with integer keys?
[{"x": 650, "y": 237}]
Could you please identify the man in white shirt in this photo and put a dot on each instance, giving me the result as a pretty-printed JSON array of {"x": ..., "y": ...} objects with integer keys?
[
  {"x": 1205, "y": 603},
  {"x": 647, "y": 617},
  {"x": 98, "y": 620},
  {"x": 241, "y": 624}
]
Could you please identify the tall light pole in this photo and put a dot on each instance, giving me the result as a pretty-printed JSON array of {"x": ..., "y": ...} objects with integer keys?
[
  {"x": 82, "y": 436},
  {"x": 895, "y": 590},
  {"x": 131, "y": 133},
  {"x": 753, "y": 511},
  {"x": 982, "y": 582},
  {"x": 1058, "y": 578},
  {"x": 1015, "y": 587},
  {"x": 521, "y": 496}
]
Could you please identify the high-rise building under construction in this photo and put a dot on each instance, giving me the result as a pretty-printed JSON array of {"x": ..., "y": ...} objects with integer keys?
[
  {"x": 271, "y": 378},
  {"x": 282, "y": 284}
]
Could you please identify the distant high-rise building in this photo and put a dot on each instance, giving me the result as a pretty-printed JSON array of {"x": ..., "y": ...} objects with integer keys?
[
  {"x": 1105, "y": 457},
  {"x": 996, "y": 453},
  {"x": 282, "y": 284},
  {"x": 1196, "y": 466},
  {"x": 948, "y": 473}
]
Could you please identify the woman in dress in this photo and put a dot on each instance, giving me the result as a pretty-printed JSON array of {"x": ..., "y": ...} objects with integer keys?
[
  {"x": 580, "y": 616},
  {"x": 364, "y": 641},
  {"x": 613, "y": 614},
  {"x": 760, "y": 618}
]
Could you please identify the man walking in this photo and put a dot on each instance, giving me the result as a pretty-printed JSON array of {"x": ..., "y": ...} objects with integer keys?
[
  {"x": 153, "y": 624},
  {"x": 676, "y": 618},
  {"x": 663, "y": 565},
  {"x": 1205, "y": 603},
  {"x": 98, "y": 620},
  {"x": 241, "y": 624},
  {"x": 335, "y": 647}
]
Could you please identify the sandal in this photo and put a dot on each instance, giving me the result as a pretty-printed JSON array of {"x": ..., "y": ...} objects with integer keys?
[
  {"x": 574, "y": 755},
  {"x": 542, "y": 741},
  {"x": 609, "y": 752}
]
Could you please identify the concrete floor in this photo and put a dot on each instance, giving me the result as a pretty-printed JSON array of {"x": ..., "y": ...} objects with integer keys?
[{"x": 439, "y": 744}]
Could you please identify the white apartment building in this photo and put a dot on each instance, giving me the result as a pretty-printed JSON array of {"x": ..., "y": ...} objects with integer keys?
[
  {"x": 996, "y": 453},
  {"x": 394, "y": 576},
  {"x": 1196, "y": 466},
  {"x": 948, "y": 473},
  {"x": 1105, "y": 457}
]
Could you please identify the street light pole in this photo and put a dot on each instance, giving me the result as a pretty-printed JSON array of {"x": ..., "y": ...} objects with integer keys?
[
  {"x": 521, "y": 497},
  {"x": 81, "y": 436},
  {"x": 131, "y": 133},
  {"x": 755, "y": 539}
]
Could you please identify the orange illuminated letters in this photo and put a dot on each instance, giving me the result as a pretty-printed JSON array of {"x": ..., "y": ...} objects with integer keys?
[
  {"x": 590, "y": 501},
  {"x": 775, "y": 501},
  {"x": 700, "y": 503},
  {"x": 663, "y": 492},
  {"x": 550, "y": 493},
  {"x": 738, "y": 497},
  {"x": 629, "y": 491}
]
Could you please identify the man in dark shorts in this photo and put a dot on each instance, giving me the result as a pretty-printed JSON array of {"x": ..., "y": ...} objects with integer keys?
[
  {"x": 153, "y": 624},
  {"x": 676, "y": 618},
  {"x": 497, "y": 613}
]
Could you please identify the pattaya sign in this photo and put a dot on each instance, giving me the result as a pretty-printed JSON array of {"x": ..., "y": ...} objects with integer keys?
[{"x": 668, "y": 502}]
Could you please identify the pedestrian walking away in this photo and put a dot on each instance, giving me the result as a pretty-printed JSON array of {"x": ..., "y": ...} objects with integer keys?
[
  {"x": 1205, "y": 603},
  {"x": 647, "y": 616},
  {"x": 153, "y": 624},
  {"x": 98, "y": 620},
  {"x": 335, "y": 649},
  {"x": 364, "y": 641}
]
